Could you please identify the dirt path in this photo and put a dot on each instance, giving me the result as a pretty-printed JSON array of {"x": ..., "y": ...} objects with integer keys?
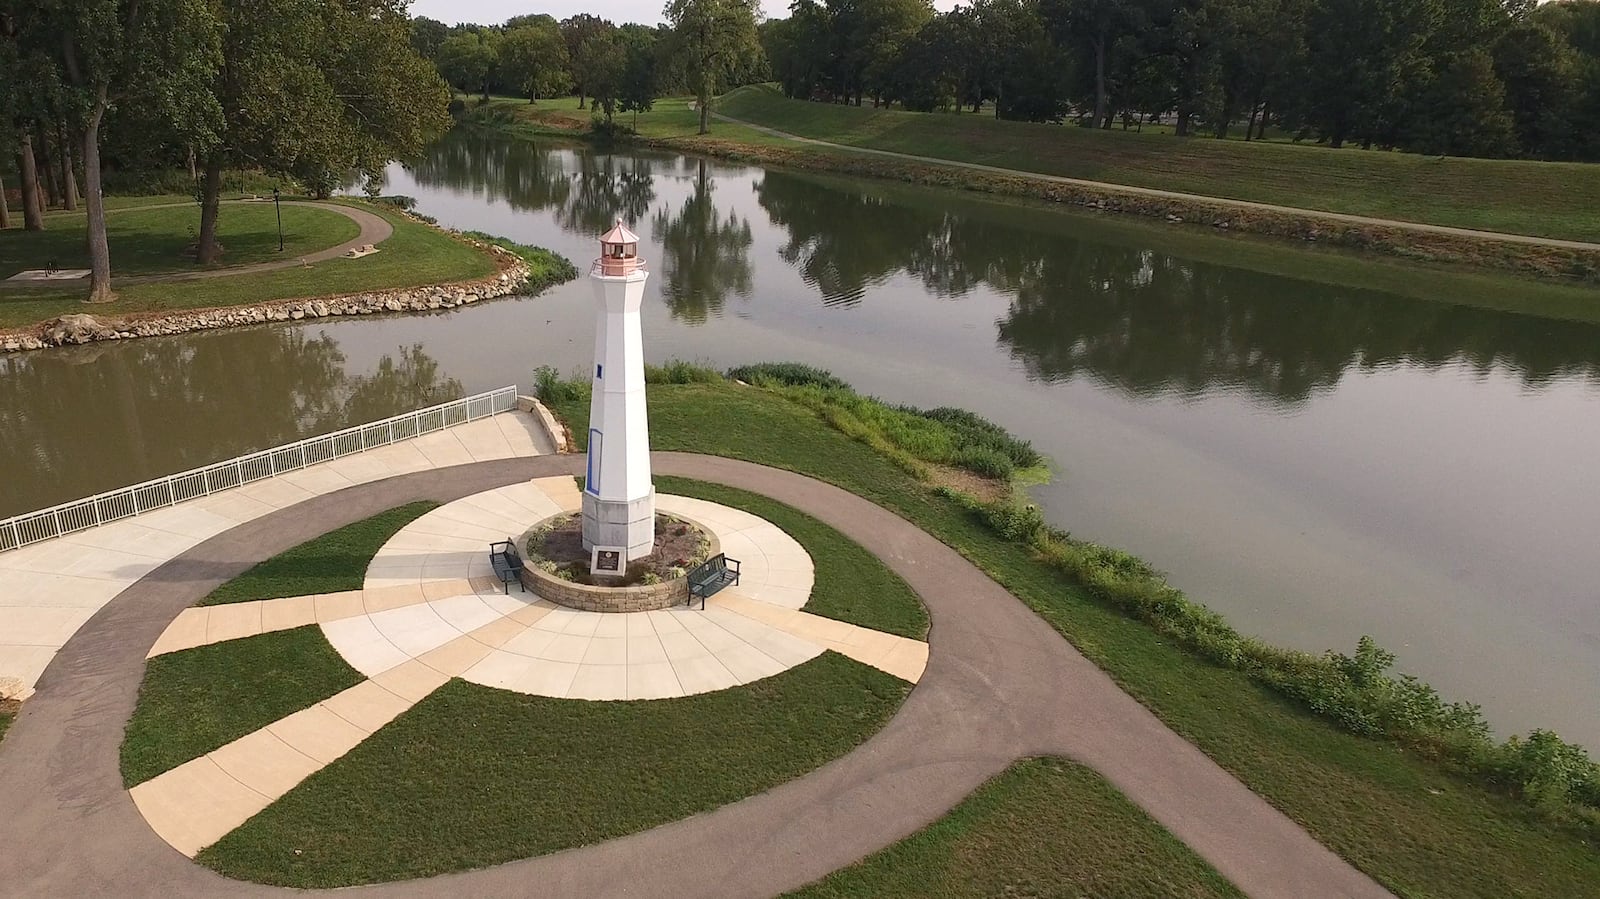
[
  {"x": 1000, "y": 685},
  {"x": 1500, "y": 236}
]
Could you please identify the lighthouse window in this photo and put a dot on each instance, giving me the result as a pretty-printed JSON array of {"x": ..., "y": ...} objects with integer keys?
[{"x": 598, "y": 370}]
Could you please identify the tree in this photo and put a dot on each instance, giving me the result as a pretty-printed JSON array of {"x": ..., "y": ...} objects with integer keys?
[
  {"x": 427, "y": 36},
  {"x": 714, "y": 42},
  {"x": 1541, "y": 74},
  {"x": 1092, "y": 28},
  {"x": 533, "y": 57},
  {"x": 641, "y": 79},
  {"x": 468, "y": 60},
  {"x": 158, "y": 53},
  {"x": 314, "y": 90},
  {"x": 575, "y": 30},
  {"x": 602, "y": 60}
]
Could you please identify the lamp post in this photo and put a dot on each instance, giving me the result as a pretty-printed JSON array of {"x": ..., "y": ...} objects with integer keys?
[{"x": 279, "y": 210}]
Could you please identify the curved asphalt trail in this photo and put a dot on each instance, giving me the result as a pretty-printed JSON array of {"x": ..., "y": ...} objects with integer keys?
[{"x": 1000, "y": 685}]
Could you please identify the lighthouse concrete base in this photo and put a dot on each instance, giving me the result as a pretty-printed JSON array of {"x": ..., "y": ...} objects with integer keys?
[{"x": 630, "y": 524}]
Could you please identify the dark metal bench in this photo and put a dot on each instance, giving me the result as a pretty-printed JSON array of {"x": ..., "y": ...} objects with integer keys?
[
  {"x": 507, "y": 564},
  {"x": 712, "y": 575}
]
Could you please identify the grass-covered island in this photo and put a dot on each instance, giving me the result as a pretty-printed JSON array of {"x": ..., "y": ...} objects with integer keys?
[{"x": 1410, "y": 788}]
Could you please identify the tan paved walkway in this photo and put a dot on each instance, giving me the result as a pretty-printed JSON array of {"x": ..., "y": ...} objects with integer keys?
[
  {"x": 1109, "y": 187},
  {"x": 48, "y": 590}
]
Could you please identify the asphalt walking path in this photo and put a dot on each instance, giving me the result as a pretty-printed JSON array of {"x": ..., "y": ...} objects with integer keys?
[
  {"x": 375, "y": 229},
  {"x": 1108, "y": 187},
  {"x": 1000, "y": 685}
]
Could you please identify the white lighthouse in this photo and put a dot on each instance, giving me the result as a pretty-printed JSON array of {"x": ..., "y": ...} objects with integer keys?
[{"x": 619, "y": 501}]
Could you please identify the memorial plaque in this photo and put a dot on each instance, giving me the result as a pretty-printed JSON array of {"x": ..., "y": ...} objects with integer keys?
[{"x": 607, "y": 560}]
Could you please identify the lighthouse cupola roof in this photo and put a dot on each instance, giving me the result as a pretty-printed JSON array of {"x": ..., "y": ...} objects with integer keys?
[{"x": 619, "y": 253}]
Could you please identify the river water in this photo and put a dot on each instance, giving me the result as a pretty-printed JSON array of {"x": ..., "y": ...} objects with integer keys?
[{"x": 1314, "y": 461}]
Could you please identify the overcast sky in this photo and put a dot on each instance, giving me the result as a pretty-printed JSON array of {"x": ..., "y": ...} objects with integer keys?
[{"x": 492, "y": 12}]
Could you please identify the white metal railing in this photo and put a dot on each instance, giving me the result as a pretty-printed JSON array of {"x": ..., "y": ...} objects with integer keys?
[
  {"x": 69, "y": 518},
  {"x": 613, "y": 267}
]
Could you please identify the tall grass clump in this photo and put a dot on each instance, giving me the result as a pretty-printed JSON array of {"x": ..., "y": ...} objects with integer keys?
[
  {"x": 913, "y": 438},
  {"x": 552, "y": 389},
  {"x": 1357, "y": 692},
  {"x": 680, "y": 372},
  {"x": 546, "y": 268}
]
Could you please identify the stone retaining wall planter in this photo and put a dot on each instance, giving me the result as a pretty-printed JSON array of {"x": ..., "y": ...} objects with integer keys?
[
  {"x": 640, "y": 598},
  {"x": 69, "y": 330}
]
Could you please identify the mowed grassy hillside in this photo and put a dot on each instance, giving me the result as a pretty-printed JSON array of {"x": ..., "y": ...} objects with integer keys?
[{"x": 1560, "y": 200}]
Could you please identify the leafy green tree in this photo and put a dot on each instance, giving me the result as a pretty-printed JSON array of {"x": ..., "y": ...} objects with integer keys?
[
  {"x": 602, "y": 61},
  {"x": 533, "y": 57},
  {"x": 1542, "y": 77},
  {"x": 314, "y": 90},
  {"x": 1092, "y": 30},
  {"x": 158, "y": 53},
  {"x": 468, "y": 60},
  {"x": 641, "y": 69},
  {"x": 713, "y": 44},
  {"x": 576, "y": 31},
  {"x": 427, "y": 36},
  {"x": 1465, "y": 110}
]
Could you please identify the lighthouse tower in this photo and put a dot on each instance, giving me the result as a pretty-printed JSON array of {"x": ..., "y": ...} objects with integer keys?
[{"x": 619, "y": 501}]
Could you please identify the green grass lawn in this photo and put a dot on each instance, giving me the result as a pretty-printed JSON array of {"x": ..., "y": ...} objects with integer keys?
[
  {"x": 1415, "y": 828},
  {"x": 672, "y": 118},
  {"x": 415, "y": 255},
  {"x": 147, "y": 241},
  {"x": 331, "y": 563},
  {"x": 197, "y": 700},
  {"x": 1045, "y": 827},
  {"x": 473, "y": 776},
  {"x": 851, "y": 584},
  {"x": 8, "y": 714},
  {"x": 1539, "y": 198}
]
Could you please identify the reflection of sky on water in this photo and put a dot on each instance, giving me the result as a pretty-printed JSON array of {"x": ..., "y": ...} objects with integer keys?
[{"x": 1315, "y": 462}]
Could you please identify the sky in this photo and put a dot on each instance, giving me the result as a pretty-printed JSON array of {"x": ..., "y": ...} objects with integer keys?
[{"x": 491, "y": 12}]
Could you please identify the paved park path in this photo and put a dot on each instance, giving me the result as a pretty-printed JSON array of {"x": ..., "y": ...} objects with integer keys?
[
  {"x": 375, "y": 229},
  {"x": 1470, "y": 233},
  {"x": 1000, "y": 685}
]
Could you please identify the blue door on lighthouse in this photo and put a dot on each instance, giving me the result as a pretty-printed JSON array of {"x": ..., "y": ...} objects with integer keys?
[{"x": 591, "y": 480}]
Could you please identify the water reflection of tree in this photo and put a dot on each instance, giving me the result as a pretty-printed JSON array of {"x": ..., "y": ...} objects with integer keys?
[
  {"x": 76, "y": 422},
  {"x": 1143, "y": 321},
  {"x": 586, "y": 191},
  {"x": 704, "y": 256}
]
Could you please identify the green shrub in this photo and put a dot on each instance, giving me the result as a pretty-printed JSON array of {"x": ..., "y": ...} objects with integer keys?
[
  {"x": 679, "y": 372},
  {"x": 546, "y": 268},
  {"x": 786, "y": 374},
  {"x": 550, "y": 387},
  {"x": 984, "y": 460},
  {"x": 400, "y": 201}
]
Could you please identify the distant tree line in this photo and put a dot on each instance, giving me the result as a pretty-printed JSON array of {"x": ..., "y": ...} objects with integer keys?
[
  {"x": 706, "y": 47},
  {"x": 1490, "y": 78},
  {"x": 308, "y": 90}
]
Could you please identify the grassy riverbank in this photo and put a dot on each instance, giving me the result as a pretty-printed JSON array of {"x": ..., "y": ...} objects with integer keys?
[
  {"x": 1356, "y": 792},
  {"x": 1045, "y": 827},
  {"x": 1560, "y": 200},
  {"x": 415, "y": 255},
  {"x": 1477, "y": 199},
  {"x": 159, "y": 239}
]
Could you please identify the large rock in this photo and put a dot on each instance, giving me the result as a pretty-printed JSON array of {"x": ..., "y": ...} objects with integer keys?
[{"x": 78, "y": 328}]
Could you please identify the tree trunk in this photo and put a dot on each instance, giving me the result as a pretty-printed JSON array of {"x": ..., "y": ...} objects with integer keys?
[
  {"x": 47, "y": 170},
  {"x": 1185, "y": 116},
  {"x": 1102, "y": 115},
  {"x": 704, "y": 101},
  {"x": 32, "y": 212},
  {"x": 1261, "y": 129},
  {"x": 95, "y": 203},
  {"x": 207, "y": 251},
  {"x": 580, "y": 98},
  {"x": 69, "y": 173},
  {"x": 195, "y": 175},
  {"x": 5, "y": 210}
]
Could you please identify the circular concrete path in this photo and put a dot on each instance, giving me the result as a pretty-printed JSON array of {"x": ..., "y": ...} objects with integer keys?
[{"x": 1000, "y": 685}]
